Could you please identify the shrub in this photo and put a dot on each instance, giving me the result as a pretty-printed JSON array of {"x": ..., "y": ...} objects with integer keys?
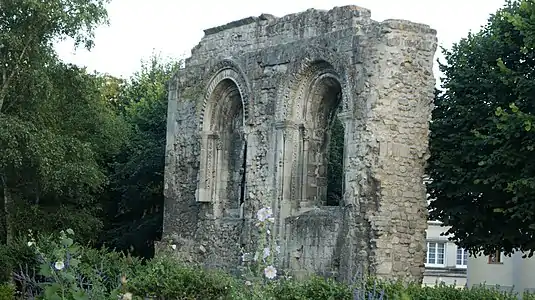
[
  {"x": 15, "y": 256},
  {"x": 315, "y": 288},
  {"x": 7, "y": 291},
  {"x": 68, "y": 270},
  {"x": 166, "y": 278}
]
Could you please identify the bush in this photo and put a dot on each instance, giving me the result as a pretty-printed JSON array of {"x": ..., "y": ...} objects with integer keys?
[
  {"x": 15, "y": 256},
  {"x": 7, "y": 291},
  {"x": 68, "y": 270},
  {"x": 314, "y": 289},
  {"x": 166, "y": 278}
]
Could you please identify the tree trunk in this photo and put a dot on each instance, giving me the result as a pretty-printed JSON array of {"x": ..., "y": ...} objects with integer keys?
[{"x": 7, "y": 232}]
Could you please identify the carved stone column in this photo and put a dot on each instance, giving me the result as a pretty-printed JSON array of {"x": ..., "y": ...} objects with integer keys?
[
  {"x": 304, "y": 202},
  {"x": 208, "y": 167},
  {"x": 350, "y": 150},
  {"x": 287, "y": 183}
]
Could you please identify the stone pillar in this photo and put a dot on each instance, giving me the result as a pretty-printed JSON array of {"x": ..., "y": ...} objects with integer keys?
[
  {"x": 304, "y": 202},
  {"x": 401, "y": 86},
  {"x": 208, "y": 167},
  {"x": 287, "y": 184}
]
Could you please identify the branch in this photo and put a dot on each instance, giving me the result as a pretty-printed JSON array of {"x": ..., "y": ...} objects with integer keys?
[{"x": 6, "y": 80}]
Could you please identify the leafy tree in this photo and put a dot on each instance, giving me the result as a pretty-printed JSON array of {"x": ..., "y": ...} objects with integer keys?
[
  {"x": 137, "y": 180},
  {"x": 482, "y": 143},
  {"x": 56, "y": 129}
]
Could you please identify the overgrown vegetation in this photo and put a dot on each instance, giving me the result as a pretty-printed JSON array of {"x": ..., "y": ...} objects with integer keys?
[{"x": 64, "y": 269}]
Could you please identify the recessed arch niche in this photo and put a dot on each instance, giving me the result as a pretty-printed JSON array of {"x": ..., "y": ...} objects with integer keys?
[
  {"x": 312, "y": 137},
  {"x": 322, "y": 150},
  {"x": 222, "y": 175}
]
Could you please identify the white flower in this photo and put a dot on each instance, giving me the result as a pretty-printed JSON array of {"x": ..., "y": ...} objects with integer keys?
[
  {"x": 270, "y": 272},
  {"x": 278, "y": 249},
  {"x": 127, "y": 296},
  {"x": 59, "y": 265},
  {"x": 268, "y": 232},
  {"x": 173, "y": 247},
  {"x": 264, "y": 213},
  {"x": 271, "y": 219},
  {"x": 70, "y": 231},
  {"x": 266, "y": 253},
  {"x": 247, "y": 282},
  {"x": 31, "y": 243}
]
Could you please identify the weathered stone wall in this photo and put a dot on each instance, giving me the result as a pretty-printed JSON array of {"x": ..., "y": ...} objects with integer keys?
[{"x": 290, "y": 74}]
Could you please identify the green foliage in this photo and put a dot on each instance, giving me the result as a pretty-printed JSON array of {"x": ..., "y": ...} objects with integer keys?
[
  {"x": 7, "y": 291},
  {"x": 315, "y": 288},
  {"x": 336, "y": 163},
  {"x": 68, "y": 270},
  {"x": 482, "y": 140},
  {"x": 137, "y": 178},
  {"x": 15, "y": 256},
  {"x": 165, "y": 278},
  {"x": 57, "y": 132}
]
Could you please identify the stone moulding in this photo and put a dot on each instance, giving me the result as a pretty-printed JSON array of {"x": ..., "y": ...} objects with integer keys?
[{"x": 258, "y": 135}]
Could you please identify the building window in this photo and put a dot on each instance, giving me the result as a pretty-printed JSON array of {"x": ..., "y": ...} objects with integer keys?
[
  {"x": 435, "y": 254},
  {"x": 495, "y": 258},
  {"x": 462, "y": 258}
]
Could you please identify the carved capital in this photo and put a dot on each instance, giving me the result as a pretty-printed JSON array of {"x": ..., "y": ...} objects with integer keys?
[
  {"x": 345, "y": 116},
  {"x": 284, "y": 125}
]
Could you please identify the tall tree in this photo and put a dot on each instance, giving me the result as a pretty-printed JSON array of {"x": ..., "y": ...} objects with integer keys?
[
  {"x": 55, "y": 129},
  {"x": 482, "y": 145},
  {"x": 138, "y": 177}
]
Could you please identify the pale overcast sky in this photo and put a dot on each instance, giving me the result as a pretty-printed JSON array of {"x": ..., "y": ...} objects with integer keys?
[{"x": 172, "y": 27}]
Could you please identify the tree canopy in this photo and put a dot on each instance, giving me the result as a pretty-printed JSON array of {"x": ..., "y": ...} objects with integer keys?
[{"x": 482, "y": 142}]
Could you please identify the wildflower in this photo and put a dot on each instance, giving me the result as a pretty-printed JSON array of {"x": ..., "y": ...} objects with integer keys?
[
  {"x": 271, "y": 220},
  {"x": 70, "y": 231},
  {"x": 264, "y": 213},
  {"x": 266, "y": 253},
  {"x": 59, "y": 265},
  {"x": 127, "y": 296},
  {"x": 173, "y": 247},
  {"x": 268, "y": 232},
  {"x": 270, "y": 272},
  {"x": 31, "y": 243},
  {"x": 245, "y": 256},
  {"x": 248, "y": 283}
]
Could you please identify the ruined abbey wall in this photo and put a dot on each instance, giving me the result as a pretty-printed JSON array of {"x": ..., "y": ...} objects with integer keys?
[{"x": 248, "y": 127}]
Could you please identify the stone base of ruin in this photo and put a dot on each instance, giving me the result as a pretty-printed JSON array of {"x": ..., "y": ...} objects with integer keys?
[{"x": 248, "y": 127}]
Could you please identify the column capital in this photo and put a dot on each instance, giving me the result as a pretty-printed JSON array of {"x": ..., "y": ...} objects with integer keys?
[
  {"x": 210, "y": 135},
  {"x": 287, "y": 125}
]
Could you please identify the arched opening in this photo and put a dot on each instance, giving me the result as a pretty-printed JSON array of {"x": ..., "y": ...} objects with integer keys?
[
  {"x": 224, "y": 150},
  {"x": 323, "y": 143}
]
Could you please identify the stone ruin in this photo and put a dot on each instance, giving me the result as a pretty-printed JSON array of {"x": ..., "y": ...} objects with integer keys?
[{"x": 249, "y": 122}]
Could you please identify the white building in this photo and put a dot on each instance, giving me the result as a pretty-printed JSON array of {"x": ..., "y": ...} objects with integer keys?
[
  {"x": 445, "y": 262},
  {"x": 506, "y": 272}
]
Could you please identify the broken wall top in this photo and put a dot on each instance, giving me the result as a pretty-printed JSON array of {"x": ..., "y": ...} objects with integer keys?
[{"x": 255, "y": 33}]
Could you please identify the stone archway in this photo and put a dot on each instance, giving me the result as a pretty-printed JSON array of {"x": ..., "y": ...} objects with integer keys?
[
  {"x": 311, "y": 105},
  {"x": 320, "y": 120},
  {"x": 222, "y": 176}
]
